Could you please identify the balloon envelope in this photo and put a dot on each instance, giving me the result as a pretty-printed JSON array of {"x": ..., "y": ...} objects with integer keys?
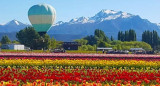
[{"x": 42, "y": 16}]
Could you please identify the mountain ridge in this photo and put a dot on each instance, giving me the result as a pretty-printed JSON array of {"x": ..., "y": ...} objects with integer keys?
[{"x": 109, "y": 21}]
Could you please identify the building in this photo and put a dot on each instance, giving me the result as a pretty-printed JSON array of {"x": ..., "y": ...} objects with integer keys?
[
  {"x": 13, "y": 46},
  {"x": 103, "y": 49},
  {"x": 71, "y": 45},
  {"x": 137, "y": 51}
]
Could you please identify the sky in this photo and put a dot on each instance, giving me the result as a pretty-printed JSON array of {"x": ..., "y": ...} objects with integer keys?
[{"x": 69, "y": 9}]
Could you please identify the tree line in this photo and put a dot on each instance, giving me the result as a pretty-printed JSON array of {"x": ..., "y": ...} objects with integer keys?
[
  {"x": 152, "y": 38},
  {"x": 126, "y": 40},
  {"x": 30, "y": 38},
  {"x": 127, "y": 35}
]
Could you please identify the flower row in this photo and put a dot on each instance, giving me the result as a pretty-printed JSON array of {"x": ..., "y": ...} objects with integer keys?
[
  {"x": 78, "y": 75},
  {"x": 63, "y": 83},
  {"x": 78, "y": 62}
]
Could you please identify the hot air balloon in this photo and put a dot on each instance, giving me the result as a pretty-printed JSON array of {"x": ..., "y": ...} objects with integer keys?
[{"x": 42, "y": 16}]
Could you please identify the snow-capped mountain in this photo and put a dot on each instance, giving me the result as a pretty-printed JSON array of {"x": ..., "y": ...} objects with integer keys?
[
  {"x": 109, "y": 15},
  {"x": 59, "y": 23},
  {"x": 12, "y": 26},
  {"x": 158, "y": 24},
  {"x": 14, "y": 23},
  {"x": 101, "y": 16},
  {"x": 109, "y": 21},
  {"x": 81, "y": 20}
]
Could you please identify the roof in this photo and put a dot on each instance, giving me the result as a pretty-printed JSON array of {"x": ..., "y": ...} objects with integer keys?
[
  {"x": 70, "y": 43},
  {"x": 12, "y": 44},
  {"x": 136, "y": 49},
  {"x": 103, "y": 48}
]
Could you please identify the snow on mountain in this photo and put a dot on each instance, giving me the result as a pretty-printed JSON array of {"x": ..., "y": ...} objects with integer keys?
[
  {"x": 14, "y": 23},
  {"x": 109, "y": 21},
  {"x": 59, "y": 23},
  {"x": 101, "y": 16},
  {"x": 12, "y": 26},
  {"x": 81, "y": 20},
  {"x": 110, "y": 15},
  {"x": 158, "y": 24}
]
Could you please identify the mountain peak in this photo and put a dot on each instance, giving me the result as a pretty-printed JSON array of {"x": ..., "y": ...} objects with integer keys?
[
  {"x": 158, "y": 24},
  {"x": 101, "y": 16},
  {"x": 79, "y": 20},
  {"x": 105, "y": 11},
  {"x": 59, "y": 23},
  {"x": 14, "y": 22},
  {"x": 110, "y": 15}
]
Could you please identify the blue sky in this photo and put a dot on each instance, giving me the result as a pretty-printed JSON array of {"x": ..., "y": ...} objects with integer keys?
[{"x": 68, "y": 9}]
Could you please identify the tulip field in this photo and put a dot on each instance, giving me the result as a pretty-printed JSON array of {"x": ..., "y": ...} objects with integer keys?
[{"x": 66, "y": 71}]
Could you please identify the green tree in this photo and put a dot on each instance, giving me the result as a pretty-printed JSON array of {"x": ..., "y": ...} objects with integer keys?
[
  {"x": 15, "y": 42},
  {"x": 100, "y": 35},
  {"x": 90, "y": 48},
  {"x": 121, "y": 36},
  {"x": 132, "y": 35},
  {"x": 112, "y": 39},
  {"x": 151, "y": 38},
  {"x": 101, "y": 44},
  {"x": 155, "y": 39},
  {"x": 91, "y": 40},
  {"x": 84, "y": 47},
  {"x": 115, "y": 42},
  {"x": 5, "y": 40},
  {"x": 82, "y": 41},
  {"x": 126, "y": 36},
  {"x": 119, "y": 47},
  {"x": 53, "y": 43},
  {"x": 46, "y": 42},
  {"x": 29, "y": 37}
]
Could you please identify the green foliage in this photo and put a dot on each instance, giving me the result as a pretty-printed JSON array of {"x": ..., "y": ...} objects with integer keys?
[
  {"x": 112, "y": 39},
  {"x": 87, "y": 48},
  {"x": 5, "y": 40},
  {"x": 102, "y": 44},
  {"x": 30, "y": 38},
  {"x": 132, "y": 44},
  {"x": 119, "y": 47},
  {"x": 125, "y": 41},
  {"x": 151, "y": 38},
  {"x": 100, "y": 35},
  {"x": 115, "y": 42},
  {"x": 82, "y": 41},
  {"x": 91, "y": 40},
  {"x": 53, "y": 43},
  {"x": 15, "y": 42},
  {"x": 127, "y": 36},
  {"x": 132, "y": 35},
  {"x": 46, "y": 41},
  {"x": 83, "y": 47},
  {"x": 90, "y": 48},
  {"x": 121, "y": 36}
]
